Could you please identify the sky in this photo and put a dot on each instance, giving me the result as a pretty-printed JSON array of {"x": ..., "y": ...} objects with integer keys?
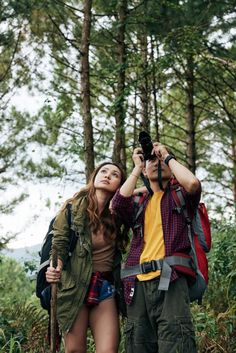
[{"x": 31, "y": 218}]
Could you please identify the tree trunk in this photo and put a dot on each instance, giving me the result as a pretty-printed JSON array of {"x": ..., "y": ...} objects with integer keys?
[
  {"x": 234, "y": 166},
  {"x": 144, "y": 84},
  {"x": 119, "y": 151},
  {"x": 85, "y": 91},
  {"x": 190, "y": 118},
  {"x": 154, "y": 92}
]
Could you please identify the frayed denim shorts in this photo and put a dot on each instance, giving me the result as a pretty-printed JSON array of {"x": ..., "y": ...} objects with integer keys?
[{"x": 101, "y": 287}]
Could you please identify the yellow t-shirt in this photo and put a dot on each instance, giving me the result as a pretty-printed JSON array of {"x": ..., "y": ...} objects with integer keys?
[{"x": 154, "y": 247}]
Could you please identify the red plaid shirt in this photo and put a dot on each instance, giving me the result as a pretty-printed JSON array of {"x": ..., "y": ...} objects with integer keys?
[{"x": 132, "y": 209}]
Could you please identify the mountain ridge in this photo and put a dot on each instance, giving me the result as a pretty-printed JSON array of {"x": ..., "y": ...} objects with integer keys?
[{"x": 23, "y": 254}]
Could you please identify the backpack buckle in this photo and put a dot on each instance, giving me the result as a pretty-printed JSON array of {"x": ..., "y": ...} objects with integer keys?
[
  {"x": 150, "y": 266},
  {"x": 178, "y": 210}
]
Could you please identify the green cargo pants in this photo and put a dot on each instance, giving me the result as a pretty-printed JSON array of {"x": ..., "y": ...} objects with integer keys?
[{"x": 160, "y": 321}]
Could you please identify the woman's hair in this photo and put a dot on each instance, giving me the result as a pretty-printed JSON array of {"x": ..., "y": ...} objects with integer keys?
[{"x": 110, "y": 223}]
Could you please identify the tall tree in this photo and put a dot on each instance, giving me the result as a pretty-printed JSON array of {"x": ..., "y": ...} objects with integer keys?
[
  {"x": 119, "y": 150},
  {"x": 85, "y": 89},
  {"x": 144, "y": 89},
  {"x": 122, "y": 75}
]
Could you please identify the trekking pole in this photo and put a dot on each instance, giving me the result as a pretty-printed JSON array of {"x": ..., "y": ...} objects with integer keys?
[{"x": 53, "y": 307}]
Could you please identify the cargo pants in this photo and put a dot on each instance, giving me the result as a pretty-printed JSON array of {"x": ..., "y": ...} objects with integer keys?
[{"x": 160, "y": 321}]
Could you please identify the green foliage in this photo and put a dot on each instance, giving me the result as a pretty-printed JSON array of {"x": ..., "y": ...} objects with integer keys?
[
  {"x": 49, "y": 144},
  {"x": 215, "y": 320},
  {"x": 215, "y": 332},
  {"x": 177, "y": 30},
  {"x": 15, "y": 132},
  {"x": 13, "y": 281},
  {"x": 48, "y": 167},
  {"x": 23, "y": 323},
  {"x": 13, "y": 68},
  {"x": 16, "y": 129},
  {"x": 222, "y": 264}
]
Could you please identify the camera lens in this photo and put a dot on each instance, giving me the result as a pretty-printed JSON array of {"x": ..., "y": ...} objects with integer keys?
[{"x": 146, "y": 144}]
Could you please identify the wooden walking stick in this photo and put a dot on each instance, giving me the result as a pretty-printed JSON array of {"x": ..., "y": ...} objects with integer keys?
[{"x": 53, "y": 307}]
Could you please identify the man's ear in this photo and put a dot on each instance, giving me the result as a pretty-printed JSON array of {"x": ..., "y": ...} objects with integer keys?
[{"x": 144, "y": 172}]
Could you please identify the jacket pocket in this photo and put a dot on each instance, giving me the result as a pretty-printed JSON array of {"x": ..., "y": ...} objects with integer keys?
[
  {"x": 129, "y": 337},
  {"x": 178, "y": 336}
]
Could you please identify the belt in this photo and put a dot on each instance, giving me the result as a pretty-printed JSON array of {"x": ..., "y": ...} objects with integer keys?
[{"x": 162, "y": 264}]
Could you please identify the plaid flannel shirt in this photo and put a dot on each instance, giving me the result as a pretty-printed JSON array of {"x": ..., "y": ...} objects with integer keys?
[{"x": 132, "y": 209}]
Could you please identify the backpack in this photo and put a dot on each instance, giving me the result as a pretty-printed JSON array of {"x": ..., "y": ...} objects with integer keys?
[
  {"x": 43, "y": 288},
  {"x": 199, "y": 233}
]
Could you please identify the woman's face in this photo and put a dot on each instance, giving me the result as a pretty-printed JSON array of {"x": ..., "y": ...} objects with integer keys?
[{"x": 108, "y": 178}]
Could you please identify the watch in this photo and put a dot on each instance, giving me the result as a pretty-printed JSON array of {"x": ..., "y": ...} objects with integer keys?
[{"x": 168, "y": 158}]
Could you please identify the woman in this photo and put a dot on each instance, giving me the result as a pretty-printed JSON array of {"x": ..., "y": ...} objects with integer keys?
[{"x": 85, "y": 280}]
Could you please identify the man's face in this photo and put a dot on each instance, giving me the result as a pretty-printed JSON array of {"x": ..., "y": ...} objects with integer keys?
[{"x": 151, "y": 170}]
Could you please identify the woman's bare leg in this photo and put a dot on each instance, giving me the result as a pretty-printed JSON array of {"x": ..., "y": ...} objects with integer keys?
[
  {"x": 76, "y": 338},
  {"x": 104, "y": 323}
]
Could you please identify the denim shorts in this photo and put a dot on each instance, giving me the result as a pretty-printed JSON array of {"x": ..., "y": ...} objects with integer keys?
[
  {"x": 107, "y": 290},
  {"x": 99, "y": 289}
]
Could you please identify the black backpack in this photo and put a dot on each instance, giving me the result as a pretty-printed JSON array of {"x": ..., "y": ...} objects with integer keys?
[{"x": 43, "y": 288}]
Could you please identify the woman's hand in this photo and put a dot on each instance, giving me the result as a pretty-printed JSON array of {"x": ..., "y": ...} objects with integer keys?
[{"x": 53, "y": 275}]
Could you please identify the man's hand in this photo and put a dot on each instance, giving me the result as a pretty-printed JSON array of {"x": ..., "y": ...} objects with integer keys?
[
  {"x": 160, "y": 151},
  {"x": 138, "y": 158}
]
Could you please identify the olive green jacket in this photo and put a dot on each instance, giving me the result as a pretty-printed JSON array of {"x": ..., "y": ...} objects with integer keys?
[{"x": 77, "y": 268}]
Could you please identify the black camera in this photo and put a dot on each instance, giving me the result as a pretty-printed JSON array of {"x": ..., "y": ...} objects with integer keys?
[{"x": 147, "y": 145}]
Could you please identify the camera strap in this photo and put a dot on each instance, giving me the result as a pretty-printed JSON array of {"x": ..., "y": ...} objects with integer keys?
[
  {"x": 146, "y": 183},
  {"x": 159, "y": 175}
]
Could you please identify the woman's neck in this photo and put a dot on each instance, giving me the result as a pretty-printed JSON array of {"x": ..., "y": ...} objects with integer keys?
[{"x": 102, "y": 198}]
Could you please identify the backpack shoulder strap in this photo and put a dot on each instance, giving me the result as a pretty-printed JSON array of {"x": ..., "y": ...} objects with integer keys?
[
  {"x": 181, "y": 207},
  {"x": 139, "y": 201},
  {"x": 72, "y": 234},
  {"x": 69, "y": 214},
  {"x": 179, "y": 199}
]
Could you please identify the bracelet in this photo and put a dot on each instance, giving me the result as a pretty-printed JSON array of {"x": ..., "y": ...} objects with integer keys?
[
  {"x": 137, "y": 176},
  {"x": 168, "y": 158}
]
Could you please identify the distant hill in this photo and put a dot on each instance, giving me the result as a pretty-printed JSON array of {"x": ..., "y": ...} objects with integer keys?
[{"x": 24, "y": 254}]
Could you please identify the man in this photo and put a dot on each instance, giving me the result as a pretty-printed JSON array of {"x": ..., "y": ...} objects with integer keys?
[{"x": 156, "y": 292}]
